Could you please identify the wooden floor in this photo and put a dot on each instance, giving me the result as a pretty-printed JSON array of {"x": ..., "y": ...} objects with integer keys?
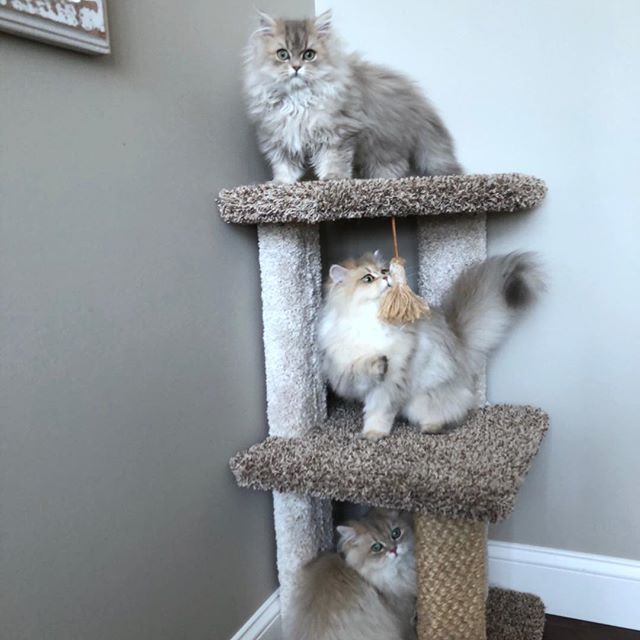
[{"x": 566, "y": 629}]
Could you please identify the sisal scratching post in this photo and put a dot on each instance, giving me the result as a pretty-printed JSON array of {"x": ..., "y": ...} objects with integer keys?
[
  {"x": 450, "y": 560},
  {"x": 290, "y": 272}
]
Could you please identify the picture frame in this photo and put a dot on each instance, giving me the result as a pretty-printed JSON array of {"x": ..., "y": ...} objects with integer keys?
[{"x": 80, "y": 25}]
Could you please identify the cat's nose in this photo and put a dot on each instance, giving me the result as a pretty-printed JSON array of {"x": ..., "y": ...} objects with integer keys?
[
  {"x": 394, "y": 551},
  {"x": 296, "y": 67}
]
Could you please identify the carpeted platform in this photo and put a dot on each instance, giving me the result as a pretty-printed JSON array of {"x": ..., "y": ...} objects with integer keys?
[
  {"x": 473, "y": 472},
  {"x": 512, "y": 615},
  {"x": 315, "y": 201}
]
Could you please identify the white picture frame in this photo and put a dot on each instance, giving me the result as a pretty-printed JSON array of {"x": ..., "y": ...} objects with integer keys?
[{"x": 80, "y": 25}]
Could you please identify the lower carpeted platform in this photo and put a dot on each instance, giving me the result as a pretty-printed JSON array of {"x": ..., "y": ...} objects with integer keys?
[
  {"x": 472, "y": 472},
  {"x": 512, "y": 615}
]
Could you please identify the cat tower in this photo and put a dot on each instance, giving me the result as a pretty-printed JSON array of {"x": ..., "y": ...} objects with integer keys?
[{"x": 455, "y": 483}]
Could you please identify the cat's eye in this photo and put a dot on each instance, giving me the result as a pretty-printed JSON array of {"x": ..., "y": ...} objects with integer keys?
[
  {"x": 309, "y": 54},
  {"x": 377, "y": 547},
  {"x": 282, "y": 54},
  {"x": 396, "y": 533},
  {"x": 368, "y": 278}
]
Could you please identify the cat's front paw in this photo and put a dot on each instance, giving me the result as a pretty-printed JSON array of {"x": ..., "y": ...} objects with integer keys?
[
  {"x": 379, "y": 367},
  {"x": 336, "y": 176},
  {"x": 432, "y": 427},
  {"x": 373, "y": 436},
  {"x": 283, "y": 180}
]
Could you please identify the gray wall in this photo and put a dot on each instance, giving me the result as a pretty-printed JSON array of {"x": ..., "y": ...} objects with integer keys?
[
  {"x": 131, "y": 338},
  {"x": 549, "y": 88}
]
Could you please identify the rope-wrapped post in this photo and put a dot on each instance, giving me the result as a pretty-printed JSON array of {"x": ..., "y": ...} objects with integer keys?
[{"x": 450, "y": 559}]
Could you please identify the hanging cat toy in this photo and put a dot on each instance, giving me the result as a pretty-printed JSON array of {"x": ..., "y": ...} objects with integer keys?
[{"x": 401, "y": 305}]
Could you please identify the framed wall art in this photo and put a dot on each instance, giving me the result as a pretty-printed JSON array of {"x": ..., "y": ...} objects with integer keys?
[{"x": 74, "y": 24}]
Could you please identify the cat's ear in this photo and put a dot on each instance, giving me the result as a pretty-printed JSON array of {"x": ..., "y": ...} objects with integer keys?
[
  {"x": 322, "y": 23},
  {"x": 266, "y": 23},
  {"x": 337, "y": 273},
  {"x": 346, "y": 533},
  {"x": 377, "y": 254}
]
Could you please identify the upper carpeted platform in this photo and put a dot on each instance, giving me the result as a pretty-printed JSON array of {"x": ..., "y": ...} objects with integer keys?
[
  {"x": 472, "y": 472},
  {"x": 316, "y": 201}
]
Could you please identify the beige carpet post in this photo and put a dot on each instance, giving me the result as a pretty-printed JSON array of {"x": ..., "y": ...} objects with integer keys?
[{"x": 450, "y": 557}]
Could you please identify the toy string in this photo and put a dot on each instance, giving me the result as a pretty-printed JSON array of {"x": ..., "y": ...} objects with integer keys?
[{"x": 395, "y": 237}]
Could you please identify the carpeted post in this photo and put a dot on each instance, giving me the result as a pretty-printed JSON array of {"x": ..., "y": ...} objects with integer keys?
[
  {"x": 447, "y": 246},
  {"x": 290, "y": 271},
  {"x": 450, "y": 559}
]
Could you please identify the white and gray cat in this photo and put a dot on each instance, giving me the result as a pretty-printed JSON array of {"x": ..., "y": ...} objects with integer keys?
[
  {"x": 367, "y": 590},
  {"x": 425, "y": 371},
  {"x": 316, "y": 106}
]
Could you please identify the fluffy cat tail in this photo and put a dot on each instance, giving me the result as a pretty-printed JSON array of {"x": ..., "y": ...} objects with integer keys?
[{"x": 487, "y": 298}]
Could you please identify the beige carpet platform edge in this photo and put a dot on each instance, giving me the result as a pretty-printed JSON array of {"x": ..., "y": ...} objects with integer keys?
[
  {"x": 512, "y": 615},
  {"x": 312, "y": 202},
  {"x": 472, "y": 472}
]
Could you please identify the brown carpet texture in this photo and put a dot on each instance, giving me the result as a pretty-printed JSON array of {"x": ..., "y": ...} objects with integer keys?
[
  {"x": 472, "y": 472},
  {"x": 315, "y": 201},
  {"x": 512, "y": 615}
]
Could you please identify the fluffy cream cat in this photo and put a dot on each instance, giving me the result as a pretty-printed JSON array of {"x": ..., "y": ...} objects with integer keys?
[
  {"x": 367, "y": 590},
  {"x": 317, "y": 106},
  {"x": 425, "y": 371}
]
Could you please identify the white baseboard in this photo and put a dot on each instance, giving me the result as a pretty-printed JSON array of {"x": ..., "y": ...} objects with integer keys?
[
  {"x": 575, "y": 585},
  {"x": 264, "y": 624}
]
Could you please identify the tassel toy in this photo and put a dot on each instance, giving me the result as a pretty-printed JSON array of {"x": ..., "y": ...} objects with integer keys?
[{"x": 400, "y": 305}]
